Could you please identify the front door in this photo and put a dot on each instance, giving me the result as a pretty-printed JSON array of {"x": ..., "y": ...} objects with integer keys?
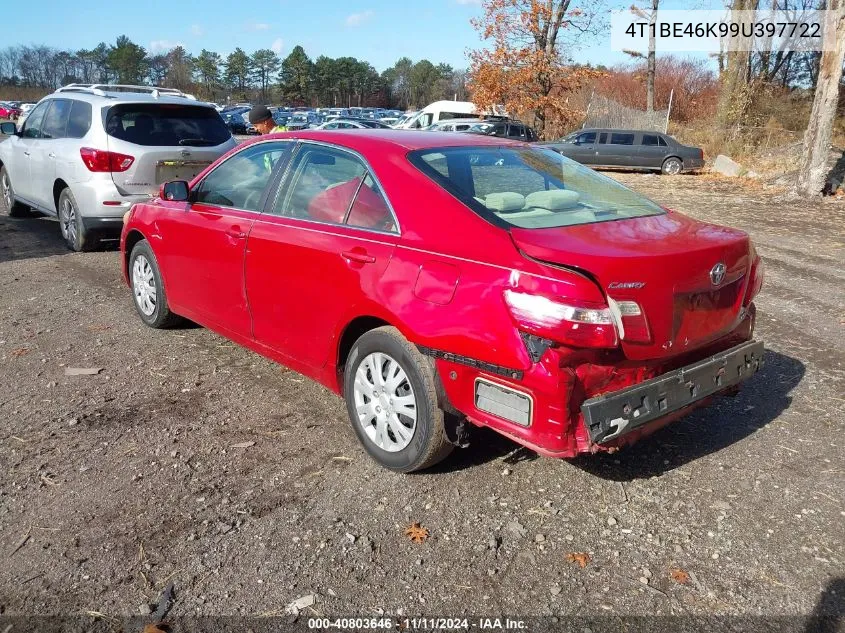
[
  {"x": 43, "y": 154},
  {"x": 206, "y": 238},
  {"x": 23, "y": 147},
  {"x": 318, "y": 253}
]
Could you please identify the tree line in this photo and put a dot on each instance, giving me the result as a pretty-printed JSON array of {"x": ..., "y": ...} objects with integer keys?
[{"x": 263, "y": 75}]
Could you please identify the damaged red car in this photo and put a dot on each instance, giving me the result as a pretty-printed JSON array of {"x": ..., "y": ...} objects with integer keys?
[{"x": 441, "y": 281}]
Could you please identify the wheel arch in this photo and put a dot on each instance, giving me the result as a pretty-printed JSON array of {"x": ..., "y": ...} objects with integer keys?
[
  {"x": 132, "y": 237},
  {"x": 58, "y": 186},
  {"x": 353, "y": 330}
]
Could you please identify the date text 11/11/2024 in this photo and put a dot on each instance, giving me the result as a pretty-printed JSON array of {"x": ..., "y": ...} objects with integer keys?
[{"x": 419, "y": 623}]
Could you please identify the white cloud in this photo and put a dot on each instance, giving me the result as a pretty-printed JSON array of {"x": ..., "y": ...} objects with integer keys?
[
  {"x": 197, "y": 30},
  {"x": 162, "y": 46},
  {"x": 277, "y": 45},
  {"x": 357, "y": 19},
  {"x": 257, "y": 26}
]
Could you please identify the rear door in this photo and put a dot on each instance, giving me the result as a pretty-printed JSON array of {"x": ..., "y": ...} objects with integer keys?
[
  {"x": 321, "y": 248},
  {"x": 43, "y": 156},
  {"x": 652, "y": 150},
  {"x": 167, "y": 141},
  {"x": 619, "y": 150},
  {"x": 203, "y": 259}
]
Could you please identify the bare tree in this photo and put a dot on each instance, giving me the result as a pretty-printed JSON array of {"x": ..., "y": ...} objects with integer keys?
[
  {"x": 651, "y": 58},
  {"x": 812, "y": 172}
]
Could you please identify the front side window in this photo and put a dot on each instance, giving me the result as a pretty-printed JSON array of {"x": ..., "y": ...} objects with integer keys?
[
  {"x": 530, "y": 188},
  {"x": 621, "y": 139},
  {"x": 239, "y": 182},
  {"x": 333, "y": 186},
  {"x": 587, "y": 138},
  {"x": 32, "y": 125},
  {"x": 167, "y": 125},
  {"x": 55, "y": 121}
]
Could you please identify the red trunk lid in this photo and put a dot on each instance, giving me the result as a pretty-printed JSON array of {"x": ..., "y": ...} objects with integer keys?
[{"x": 664, "y": 264}]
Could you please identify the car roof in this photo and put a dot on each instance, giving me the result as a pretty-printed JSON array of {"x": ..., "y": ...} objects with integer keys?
[{"x": 380, "y": 139}]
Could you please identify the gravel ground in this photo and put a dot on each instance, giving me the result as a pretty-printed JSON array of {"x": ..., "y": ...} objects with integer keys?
[{"x": 188, "y": 459}]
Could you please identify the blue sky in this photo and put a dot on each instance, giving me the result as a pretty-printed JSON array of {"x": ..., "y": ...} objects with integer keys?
[{"x": 379, "y": 31}]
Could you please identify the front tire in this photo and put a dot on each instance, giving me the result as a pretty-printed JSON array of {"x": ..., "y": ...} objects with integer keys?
[
  {"x": 672, "y": 166},
  {"x": 8, "y": 205},
  {"x": 391, "y": 399},
  {"x": 148, "y": 291}
]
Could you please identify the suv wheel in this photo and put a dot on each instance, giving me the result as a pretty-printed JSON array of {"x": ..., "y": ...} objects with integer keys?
[
  {"x": 70, "y": 223},
  {"x": 148, "y": 292},
  {"x": 392, "y": 402},
  {"x": 8, "y": 205},
  {"x": 672, "y": 166}
]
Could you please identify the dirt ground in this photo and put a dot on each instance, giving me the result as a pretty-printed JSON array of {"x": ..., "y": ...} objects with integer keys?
[{"x": 188, "y": 459}]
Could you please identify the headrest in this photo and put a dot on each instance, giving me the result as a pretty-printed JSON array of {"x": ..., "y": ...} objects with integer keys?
[
  {"x": 554, "y": 200},
  {"x": 505, "y": 201}
]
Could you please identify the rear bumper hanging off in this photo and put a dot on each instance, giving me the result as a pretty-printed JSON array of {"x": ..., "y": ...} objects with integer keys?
[{"x": 612, "y": 415}]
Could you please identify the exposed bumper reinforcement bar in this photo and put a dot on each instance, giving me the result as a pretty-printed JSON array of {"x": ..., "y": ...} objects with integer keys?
[{"x": 614, "y": 414}]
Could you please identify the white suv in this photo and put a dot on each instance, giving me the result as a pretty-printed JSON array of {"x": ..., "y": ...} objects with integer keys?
[{"x": 87, "y": 152}]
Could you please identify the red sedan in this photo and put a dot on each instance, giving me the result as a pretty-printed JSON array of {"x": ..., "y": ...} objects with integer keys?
[{"x": 439, "y": 281}]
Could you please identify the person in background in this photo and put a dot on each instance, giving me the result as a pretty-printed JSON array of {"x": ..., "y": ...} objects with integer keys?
[{"x": 261, "y": 117}]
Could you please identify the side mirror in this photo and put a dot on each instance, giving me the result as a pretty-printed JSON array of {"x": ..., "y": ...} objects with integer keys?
[
  {"x": 175, "y": 191},
  {"x": 8, "y": 128}
]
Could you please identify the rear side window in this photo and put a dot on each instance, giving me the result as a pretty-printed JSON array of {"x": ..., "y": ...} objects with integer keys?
[
  {"x": 603, "y": 138},
  {"x": 621, "y": 139},
  {"x": 80, "y": 119},
  {"x": 55, "y": 121},
  {"x": 167, "y": 125}
]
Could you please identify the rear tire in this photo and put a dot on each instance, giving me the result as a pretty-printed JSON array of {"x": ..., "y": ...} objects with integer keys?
[
  {"x": 8, "y": 205},
  {"x": 672, "y": 166},
  {"x": 148, "y": 294},
  {"x": 391, "y": 399},
  {"x": 73, "y": 230}
]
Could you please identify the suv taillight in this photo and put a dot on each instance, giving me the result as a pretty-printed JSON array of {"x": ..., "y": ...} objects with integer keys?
[
  {"x": 573, "y": 325},
  {"x": 102, "y": 161}
]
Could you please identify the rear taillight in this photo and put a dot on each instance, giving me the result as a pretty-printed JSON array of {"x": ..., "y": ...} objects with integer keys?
[
  {"x": 580, "y": 325},
  {"x": 102, "y": 161},
  {"x": 756, "y": 277},
  {"x": 634, "y": 326}
]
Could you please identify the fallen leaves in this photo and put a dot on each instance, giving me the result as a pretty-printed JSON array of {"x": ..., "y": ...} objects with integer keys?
[
  {"x": 416, "y": 533},
  {"x": 19, "y": 352},
  {"x": 582, "y": 558},
  {"x": 153, "y": 628},
  {"x": 679, "y": 576}
]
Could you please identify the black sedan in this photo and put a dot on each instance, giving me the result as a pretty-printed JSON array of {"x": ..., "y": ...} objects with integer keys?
[{"x": 633, "y": 149}]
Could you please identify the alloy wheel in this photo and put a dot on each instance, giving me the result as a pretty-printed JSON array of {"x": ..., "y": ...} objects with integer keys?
[
  {"x": 67, "y": 220},
  {"x": 6, "y": 187},
  {"x": 385, "y": 402},
  {"x": 144, "y": 285}
]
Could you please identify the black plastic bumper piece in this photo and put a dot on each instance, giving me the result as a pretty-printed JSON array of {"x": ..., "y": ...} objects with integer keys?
[{"x": 612, "y": 415}]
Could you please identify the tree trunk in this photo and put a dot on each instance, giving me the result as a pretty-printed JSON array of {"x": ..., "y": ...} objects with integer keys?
[
  {"x": 652, "y": 58},
  {"x": 736, "y": 93},
  {"x": 813, "y": 170}
]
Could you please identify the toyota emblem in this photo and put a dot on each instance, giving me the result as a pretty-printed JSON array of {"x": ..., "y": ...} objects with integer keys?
[{"x": 717, "y": 273}]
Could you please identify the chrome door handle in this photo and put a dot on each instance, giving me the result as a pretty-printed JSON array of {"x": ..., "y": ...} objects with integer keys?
[{"x": 359, "y": 257}]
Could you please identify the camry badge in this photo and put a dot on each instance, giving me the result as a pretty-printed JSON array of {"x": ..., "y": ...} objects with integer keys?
[
  {"x": 717, "y": 273},
  {"x": 624, "y": 285}
]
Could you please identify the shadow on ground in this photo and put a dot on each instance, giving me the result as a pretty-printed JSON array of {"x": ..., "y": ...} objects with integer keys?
[
  {"x": 724, "y": 422},
  {"x": 37, "y": 236}
]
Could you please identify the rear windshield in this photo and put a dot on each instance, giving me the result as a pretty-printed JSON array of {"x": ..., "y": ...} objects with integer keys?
[
  {"x": 162, "y": 124},
  {"x": 530, "y": 188}
]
